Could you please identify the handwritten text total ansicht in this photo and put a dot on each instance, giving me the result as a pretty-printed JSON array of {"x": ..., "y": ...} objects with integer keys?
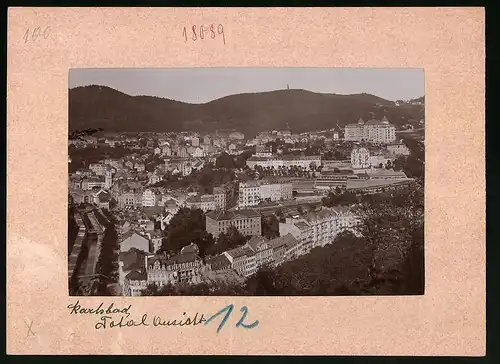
[{"x": 106, "y": 321}]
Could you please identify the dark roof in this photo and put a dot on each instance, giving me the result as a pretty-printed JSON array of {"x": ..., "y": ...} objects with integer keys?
[
  {"x": 129, "y": 234},
  {"x": 132, "y": 259},
  {"x": 176, "y": 259},
  {"x": 256, "y": 241},
  {"x": 152, "y": 210},
  {"x": 218, "y": 262},
  {"x": 231, "y": 215},
  {"x": 137, "y": 276},
  {"x": 104, "y": 196},
  {"x": 241, "y": 251},
  {"x": 191, "y": 248},
  {"x": 286, "y": 240}
]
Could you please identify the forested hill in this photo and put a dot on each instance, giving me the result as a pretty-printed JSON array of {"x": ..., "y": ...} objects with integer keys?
[{"x": 114, "y": 111}]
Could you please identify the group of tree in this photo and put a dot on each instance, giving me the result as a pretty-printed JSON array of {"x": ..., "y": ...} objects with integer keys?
[
  {"x": 228, "y": 240},
  {"x": 414, "y": 164},
  {"x": 233, "y": 161},
  {"x": 201, "y": 289},
  {"x": 82, "y": 157},
  {"x": 203, "y": 180},
  {"x": 209, "y": 177},
  {"x": 152, "y": 162},
  {"x": 187, "y": 226},
  {"x": 339, "y": 198},
  {"x": 270, "y": 227},
  {"x": 336, "y": 154}
]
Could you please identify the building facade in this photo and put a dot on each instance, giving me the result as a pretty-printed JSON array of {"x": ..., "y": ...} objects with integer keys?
[
  {"x": 398, "y": 149},
  {"x": 248, "y": 222},
  {"x": 251, "y": 193},
  {"x": 148, "y": 198},
  {"x": 360, "y": 158},
  {"x": 134, "y": 283},
  {"x": 319, "y": 228},
  {"x": 181, "y": 268},
  {"x": 286, "y": 161},
  {"x": 375, "y": 131}
]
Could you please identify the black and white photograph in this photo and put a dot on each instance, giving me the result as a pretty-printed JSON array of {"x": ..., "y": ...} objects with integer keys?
[{"x": 246, "y": 182}]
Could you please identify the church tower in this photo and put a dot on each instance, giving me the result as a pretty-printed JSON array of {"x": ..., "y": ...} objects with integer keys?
[{"x": 108, "y": 179}]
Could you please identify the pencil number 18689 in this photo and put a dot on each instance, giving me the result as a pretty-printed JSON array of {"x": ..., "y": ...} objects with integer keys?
[{"x": 203, "y": 32}]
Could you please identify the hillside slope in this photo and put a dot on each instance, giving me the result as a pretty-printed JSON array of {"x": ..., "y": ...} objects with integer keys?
[{"x": 111, "y": 110}]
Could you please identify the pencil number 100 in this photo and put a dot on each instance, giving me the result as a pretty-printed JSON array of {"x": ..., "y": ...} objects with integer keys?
[
  {"x": 201, "y": 33},
  {"x": 33, "y": 35}
]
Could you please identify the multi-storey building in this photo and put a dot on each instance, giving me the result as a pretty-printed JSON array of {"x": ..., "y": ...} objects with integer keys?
[
  {"x": 98, "y": 168},
  {"x": 148, "y": 198},
  {"x": 181, "y": 268},
  {"x": 89, "y": 183},
  {"x": 375, "y": 131},
  {"x": 203, "y": 202},
  {"x": 319, "y": 228},
  {"x": 129, "y": 198},
  {"x": 263, "y": 151},
  {"x": 286, "y": 161},
  {"x": 220, "y": 196},
  {"x": 139, "y": 167},
  {"x": 398, "y": 149},
  {"x": 195, "y": 141},
  {"x": 248, "y": 222},
  {"x": 237, "y": 135},
  {"x": 166, "y": 150},
  {"x": 360, "y": 158},
  {"x": 251, "y": 193},
  {"x": 134, "y": 283},
  {"x": 263, "y": 250},
  {"x": 242, "y": 260}
]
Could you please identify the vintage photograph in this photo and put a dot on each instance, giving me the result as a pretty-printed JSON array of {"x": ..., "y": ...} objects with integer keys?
[{"x": 246, "y": 181}]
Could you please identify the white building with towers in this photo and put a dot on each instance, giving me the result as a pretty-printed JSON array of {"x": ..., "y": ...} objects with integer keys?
[{"x": 374, "y": 131}]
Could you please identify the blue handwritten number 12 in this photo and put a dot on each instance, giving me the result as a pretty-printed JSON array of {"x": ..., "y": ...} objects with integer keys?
[{"x": 228, "y": 309}]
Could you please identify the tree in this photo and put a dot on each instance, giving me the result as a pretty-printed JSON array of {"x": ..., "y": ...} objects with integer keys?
[
  {"x": 263, "y": 283},
  {"x": 394, "y": 228},
  {"x": 224, "y": 161},
  {"x": 150, "y": 290},
  {"x": 228, "y": 240},
  {"x": 186, "y": 227},
  {"x": 270, "y": 227},
  {"x": 81, "y": 134}
]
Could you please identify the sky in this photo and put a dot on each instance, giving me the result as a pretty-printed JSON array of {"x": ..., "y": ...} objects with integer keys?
[{"x": 200, "y": 85}]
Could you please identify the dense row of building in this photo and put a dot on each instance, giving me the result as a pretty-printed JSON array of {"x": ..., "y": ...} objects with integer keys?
[{"x": 298, "y": 236}]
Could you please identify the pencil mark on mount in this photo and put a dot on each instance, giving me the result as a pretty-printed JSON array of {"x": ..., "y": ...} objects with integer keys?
[
  {"x": 211, "y": 188},
  {"x": 202, "y": 32},
  {"x": 29, "y": 326},
  {"x": 34, "y": 34}
]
